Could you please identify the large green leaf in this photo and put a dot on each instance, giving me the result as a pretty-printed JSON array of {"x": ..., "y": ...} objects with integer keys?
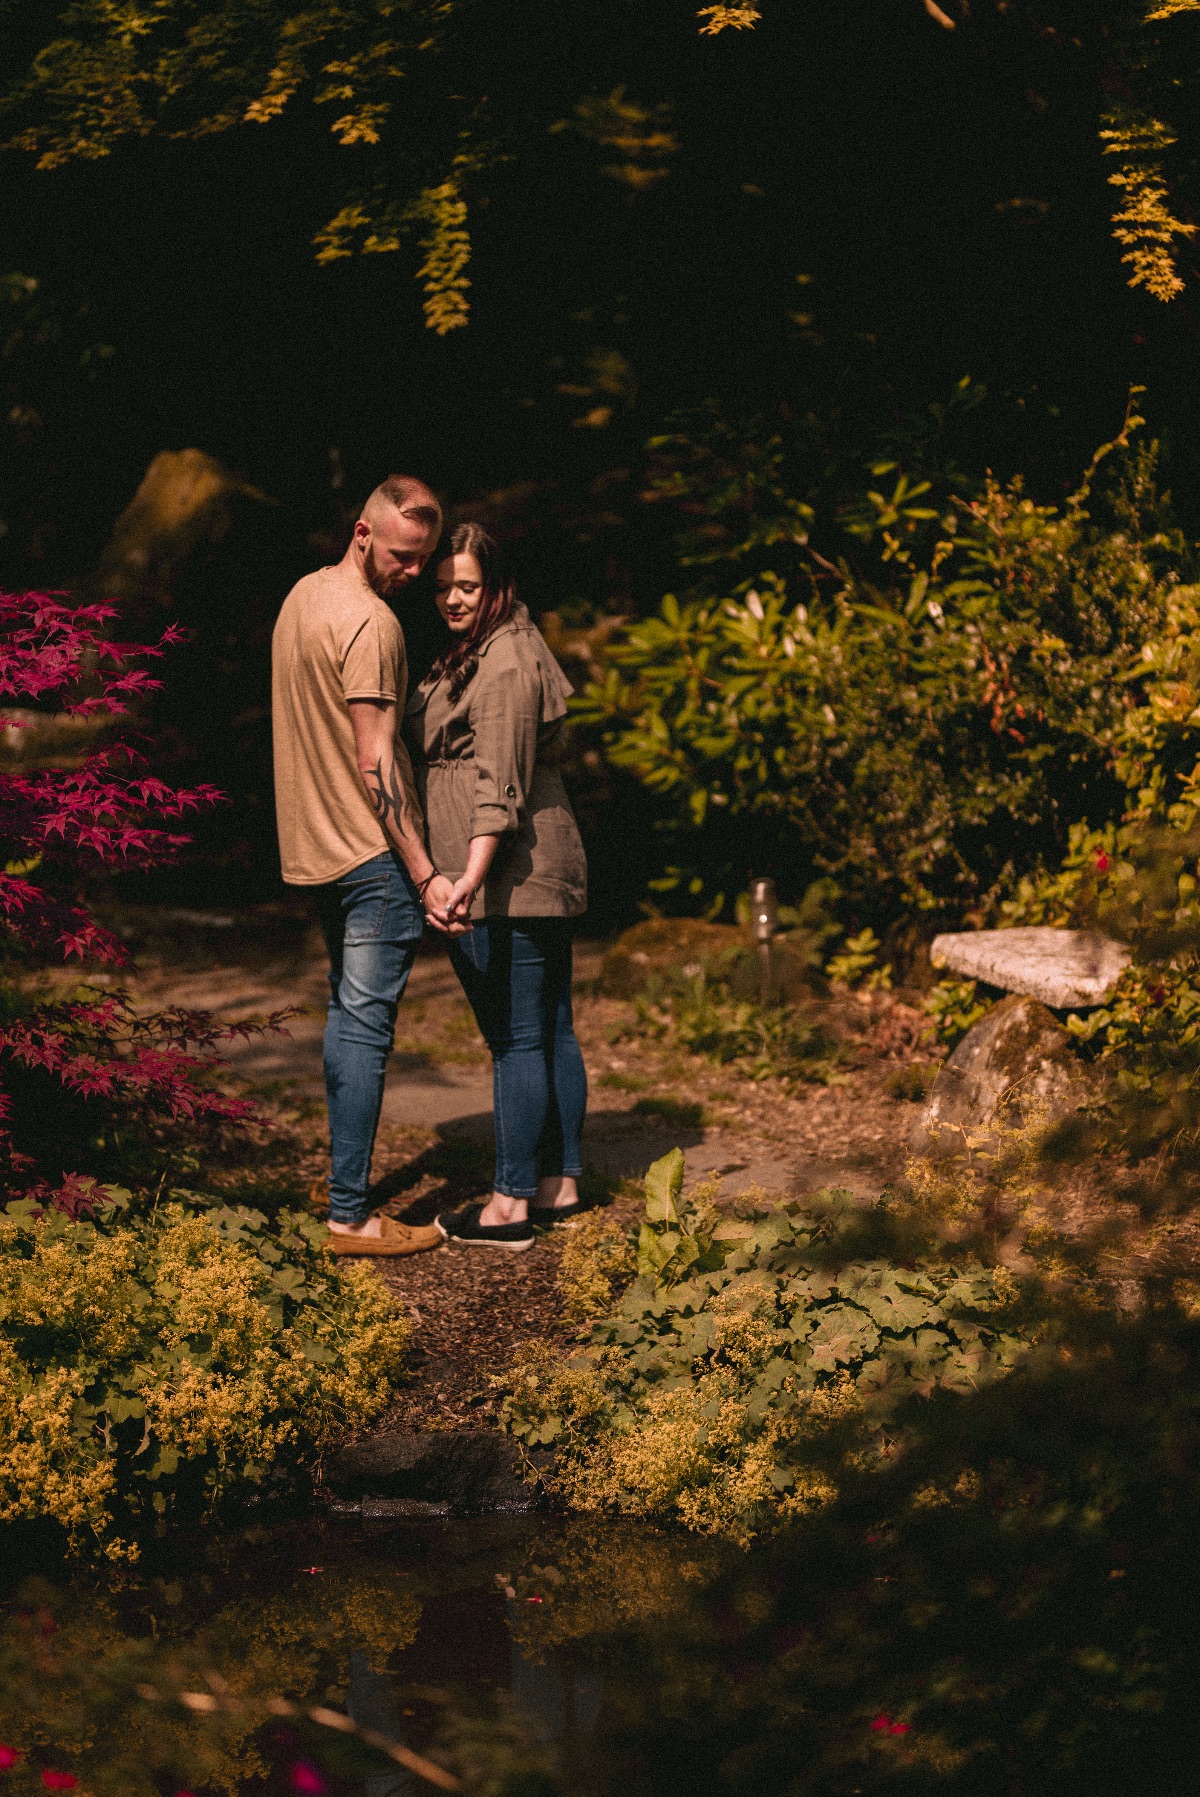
[{"x": 664, "y": 1183}]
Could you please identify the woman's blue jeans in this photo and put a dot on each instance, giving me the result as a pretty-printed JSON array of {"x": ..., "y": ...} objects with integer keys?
[
  {"x": 516, "y": 972},
  {"x": 372, "y": 922}
]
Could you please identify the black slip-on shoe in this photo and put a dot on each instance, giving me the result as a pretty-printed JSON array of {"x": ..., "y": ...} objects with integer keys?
[
  {"x": 545, "y": 1216},
  {"x": 464, "y": 1226}
]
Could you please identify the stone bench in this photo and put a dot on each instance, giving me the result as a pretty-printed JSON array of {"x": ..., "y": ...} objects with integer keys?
[
  {"x": 1065, "y": 969},
  {"x": 1019, "y": 1055}
]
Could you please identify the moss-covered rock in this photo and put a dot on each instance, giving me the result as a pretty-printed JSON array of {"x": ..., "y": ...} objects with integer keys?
[{"x": 1018, "y": 1056}]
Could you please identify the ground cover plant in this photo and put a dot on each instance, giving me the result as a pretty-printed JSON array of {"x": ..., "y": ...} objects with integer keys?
[
  {"x": 697, "y": 1013},
  {"x": 1010, "y": 1605},
  {"x": 750, "y": 1358},
  {"x": 157, "y": 1359}
]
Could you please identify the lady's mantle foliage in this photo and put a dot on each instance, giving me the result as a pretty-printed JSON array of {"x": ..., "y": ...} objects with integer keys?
[
  {"x": 59, "y": 823},
  {"x": 748, "y": 1358},
  {"x": 159, "y": 1357}
]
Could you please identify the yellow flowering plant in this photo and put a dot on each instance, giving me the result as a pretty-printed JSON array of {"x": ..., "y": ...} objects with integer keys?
[
  {"x": 156, "y": 1359},
  {"x": 752, "y": 1360}
]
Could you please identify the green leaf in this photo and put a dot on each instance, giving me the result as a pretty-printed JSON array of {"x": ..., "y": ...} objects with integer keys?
[{"x": 664, "y": 1182}]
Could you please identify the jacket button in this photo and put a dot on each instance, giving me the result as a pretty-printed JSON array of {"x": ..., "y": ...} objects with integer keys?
[{"x": 510, "y": 791}]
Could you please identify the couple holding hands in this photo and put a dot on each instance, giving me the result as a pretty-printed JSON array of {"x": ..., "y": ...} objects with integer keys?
[{"x": 446, "y": 808}]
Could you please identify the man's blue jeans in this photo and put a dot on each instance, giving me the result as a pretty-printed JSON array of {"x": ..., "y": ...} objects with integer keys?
[
  {"x": 516, "y": 972},
  {"x": 372, "y": 921}
]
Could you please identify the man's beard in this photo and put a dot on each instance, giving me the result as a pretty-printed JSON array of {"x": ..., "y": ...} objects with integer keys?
[{"x": 386, "y": 586}]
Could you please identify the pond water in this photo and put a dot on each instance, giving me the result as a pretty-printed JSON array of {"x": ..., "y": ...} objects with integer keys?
[{"x": 529, "y": 1656}]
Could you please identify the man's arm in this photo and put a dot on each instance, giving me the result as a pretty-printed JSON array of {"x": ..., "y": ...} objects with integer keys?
[{"x": 374, "y": 722}]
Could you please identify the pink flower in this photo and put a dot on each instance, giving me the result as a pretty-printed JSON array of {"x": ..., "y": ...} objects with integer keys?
[
  {"x": 881, "y": 1723},
  {"x": 1101, "y": 863},
  {"x": 8, "y": 1757},
  {"x": 59, "y": 1781},
  {"x": 306, "y": 1778},
  {"x": 898, "y": 1728}
]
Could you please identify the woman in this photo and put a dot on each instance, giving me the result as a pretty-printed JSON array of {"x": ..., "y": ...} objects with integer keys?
[{"x": 485, "y": 729}]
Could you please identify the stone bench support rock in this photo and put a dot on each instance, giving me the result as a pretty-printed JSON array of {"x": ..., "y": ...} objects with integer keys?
[{"x": 1019, "y": 1055}]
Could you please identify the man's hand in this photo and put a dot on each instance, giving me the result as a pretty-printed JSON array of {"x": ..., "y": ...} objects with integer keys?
[{"x": 440, "y": 911}]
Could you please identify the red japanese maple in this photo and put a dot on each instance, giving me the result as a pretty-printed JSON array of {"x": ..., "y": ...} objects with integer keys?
[{"x": 59, "y": 823}]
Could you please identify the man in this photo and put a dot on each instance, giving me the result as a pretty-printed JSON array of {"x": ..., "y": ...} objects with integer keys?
[{"x": 350, "y": 825}]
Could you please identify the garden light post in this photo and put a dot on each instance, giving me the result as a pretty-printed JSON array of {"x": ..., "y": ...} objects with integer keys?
[{"x": 764, "y": 921}]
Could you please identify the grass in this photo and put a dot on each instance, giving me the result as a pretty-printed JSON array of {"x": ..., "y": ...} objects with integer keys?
[
  {"x": 698, "y": 1017},
  {"x": 684, "y": 1113},
  {"x": 911, "y": 1082},
  {"x": 625, "y": 1082}
]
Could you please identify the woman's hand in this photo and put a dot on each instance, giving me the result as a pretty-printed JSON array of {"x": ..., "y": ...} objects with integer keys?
[
  {"x": 462, "y": 897},
  {"x": 437, "y": 900},
  {"x": 480, "y": 856}
]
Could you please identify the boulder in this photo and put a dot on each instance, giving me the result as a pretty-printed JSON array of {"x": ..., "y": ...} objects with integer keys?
[
  {"x": 186, "y": 500},
  {"x": 1066, "y": 969},
  {"x": 442, "y": 1472},
  {"x": 1019, "y": 1053}
]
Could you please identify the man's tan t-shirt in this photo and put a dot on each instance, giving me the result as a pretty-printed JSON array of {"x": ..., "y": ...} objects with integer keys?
[{"x": 334, "y": 640}]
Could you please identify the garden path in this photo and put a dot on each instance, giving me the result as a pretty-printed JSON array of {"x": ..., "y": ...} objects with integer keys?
[{"x": 434, "y": 1144}]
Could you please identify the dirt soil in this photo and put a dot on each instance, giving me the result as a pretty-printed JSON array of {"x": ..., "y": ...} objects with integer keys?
[{"x": 472, "y": 1307}]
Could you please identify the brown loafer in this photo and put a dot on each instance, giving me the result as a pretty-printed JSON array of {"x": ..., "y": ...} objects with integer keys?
[{"x": 396, "y": 1238}]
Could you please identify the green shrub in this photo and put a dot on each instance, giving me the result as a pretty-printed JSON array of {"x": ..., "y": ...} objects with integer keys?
[
  {"x": 749, "y": 1359},
  {"x": 1135, "y": 876},
  {"x": 857, "y": 965},
  {"x": 920, "y": 734},
  {"x": 953, "y": 1008},
  {"x": 159, "y": 1359}
]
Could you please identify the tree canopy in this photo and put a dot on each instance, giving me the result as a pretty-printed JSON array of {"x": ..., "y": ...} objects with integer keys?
[{"x": 404, "y": 81}]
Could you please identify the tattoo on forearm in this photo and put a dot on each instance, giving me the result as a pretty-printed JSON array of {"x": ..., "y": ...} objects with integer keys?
[{"x": 388, "y": 798}]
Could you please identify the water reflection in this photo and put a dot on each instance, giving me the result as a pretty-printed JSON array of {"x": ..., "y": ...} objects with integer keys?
[
  {"x": 973, "y": 1649},
  {"x": 557, "y": 1701},
  {"x": 372, "y": 1704}
]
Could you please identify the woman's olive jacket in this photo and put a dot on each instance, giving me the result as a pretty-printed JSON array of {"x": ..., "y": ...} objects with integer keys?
[{"x": 488, "y": 764}]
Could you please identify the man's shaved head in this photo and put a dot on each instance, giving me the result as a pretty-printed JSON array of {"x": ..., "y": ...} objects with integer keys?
[
  {"x": 407, "y": 495},
  {"x": 396, "y": 533}
]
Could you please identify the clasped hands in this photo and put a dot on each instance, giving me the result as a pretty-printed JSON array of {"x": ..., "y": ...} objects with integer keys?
[{"x": 448, "y": 904}]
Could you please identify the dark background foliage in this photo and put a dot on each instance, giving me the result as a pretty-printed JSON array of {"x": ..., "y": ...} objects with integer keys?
[{"x": 941, "y": 192}]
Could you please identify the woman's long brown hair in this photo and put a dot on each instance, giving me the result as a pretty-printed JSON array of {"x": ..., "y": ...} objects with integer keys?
[{"x": 498, "y": 596}]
